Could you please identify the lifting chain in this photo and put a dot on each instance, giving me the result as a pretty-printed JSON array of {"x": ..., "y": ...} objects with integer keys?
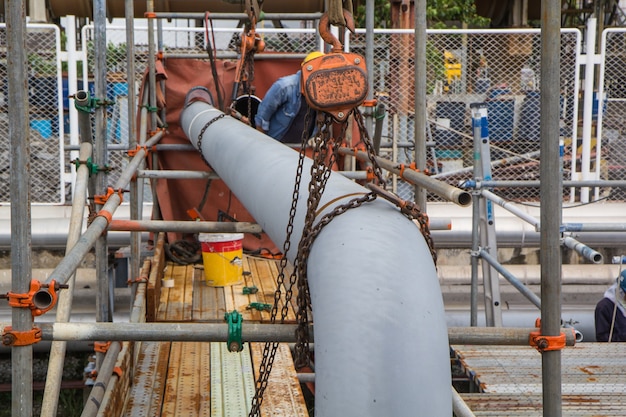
[
  {"x": 325, "y": 153},
  {"x": 269, "y": 350}
]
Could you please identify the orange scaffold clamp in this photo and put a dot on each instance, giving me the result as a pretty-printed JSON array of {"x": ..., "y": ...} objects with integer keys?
[
  {"x": 12, "y": 337},
  {"x": 40, "y": 298},
  {"x": 335, "y": 83},
  {"x": 546, "y": 343}
]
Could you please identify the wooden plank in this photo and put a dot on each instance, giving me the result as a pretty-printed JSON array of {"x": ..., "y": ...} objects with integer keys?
[
  {"x": 188, "y": 293},
  {"x": 283, "y": 396},
  {"x": 175, "y": 302},
  {"x": 240, "y": 301},
  {"x": 153, "y": 294},
  {"x": 167, "y": 295},
  {"x": 265, "y": 273},
  {"x": 210, "y": 301},
  {"x": 496, "y": 405}
]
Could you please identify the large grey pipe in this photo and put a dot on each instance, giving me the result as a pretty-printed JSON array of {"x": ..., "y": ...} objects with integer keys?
[{"x": 378, "y": 311}]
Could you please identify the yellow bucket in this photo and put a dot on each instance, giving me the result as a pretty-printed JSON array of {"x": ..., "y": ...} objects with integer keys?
[{"x": 222, "y": 255}]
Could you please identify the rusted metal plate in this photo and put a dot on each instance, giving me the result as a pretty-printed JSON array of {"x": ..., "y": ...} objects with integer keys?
[
  {"x": 283, "y": 396},
  {"x": 510, "y": 379},
  {"x": 149, "y": 380},
  {"x": 497, "y": 405}
]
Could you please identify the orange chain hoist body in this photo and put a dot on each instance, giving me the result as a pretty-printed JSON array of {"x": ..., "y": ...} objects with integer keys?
[{"x": 335, "y": 83}]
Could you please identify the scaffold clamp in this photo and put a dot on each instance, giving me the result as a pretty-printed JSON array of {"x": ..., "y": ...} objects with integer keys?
[
  {"x": 40, "y": 298},
  {"x": 234, "y": 320},
  {"x": 12, "y": 337},
  {"x": 545, "y": 343}
]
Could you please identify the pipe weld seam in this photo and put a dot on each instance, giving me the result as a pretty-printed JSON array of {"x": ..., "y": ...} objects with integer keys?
[{"x": 193, "y": 120}]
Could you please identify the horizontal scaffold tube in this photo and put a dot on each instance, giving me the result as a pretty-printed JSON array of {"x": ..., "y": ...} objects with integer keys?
[
  {"x": 256, "y": 332},
  {"x": 447, "y": 191},
  {"x": 378, "y": 309},
  {"x": 183, "y": 226},
  {"x": 584, "y": 250}
]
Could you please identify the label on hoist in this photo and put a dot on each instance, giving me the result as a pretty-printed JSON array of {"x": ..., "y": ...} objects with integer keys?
[{"x": 335, "y": 83}]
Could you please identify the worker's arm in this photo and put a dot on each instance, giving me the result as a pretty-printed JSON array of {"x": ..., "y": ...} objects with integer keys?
[{"x": 275, "y": 97}]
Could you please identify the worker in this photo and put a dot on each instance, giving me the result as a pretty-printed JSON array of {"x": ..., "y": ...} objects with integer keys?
[
  {"x": 610, "y": 315},
  {"x": 282, "y": 112}
]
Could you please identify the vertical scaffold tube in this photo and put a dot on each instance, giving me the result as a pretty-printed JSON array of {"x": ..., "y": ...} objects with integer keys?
[{"x": 377, "y": 306}]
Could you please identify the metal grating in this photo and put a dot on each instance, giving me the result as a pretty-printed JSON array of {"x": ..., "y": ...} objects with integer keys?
[{"x": 509, "y": 379}]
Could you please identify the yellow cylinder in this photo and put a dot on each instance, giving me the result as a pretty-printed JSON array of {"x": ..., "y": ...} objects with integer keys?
[{"x": 222, "y": 255}]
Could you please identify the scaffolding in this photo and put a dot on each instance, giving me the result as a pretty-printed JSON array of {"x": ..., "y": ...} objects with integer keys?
[{"x": 59, "y": 286}]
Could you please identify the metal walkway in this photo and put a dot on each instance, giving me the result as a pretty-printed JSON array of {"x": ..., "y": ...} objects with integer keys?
[
  {"x": 509, "y": 380},
  {"x": 202, "y": 378}
]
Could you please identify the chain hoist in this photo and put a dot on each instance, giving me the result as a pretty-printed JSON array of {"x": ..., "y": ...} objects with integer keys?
[{"x": 334, "y": 85}]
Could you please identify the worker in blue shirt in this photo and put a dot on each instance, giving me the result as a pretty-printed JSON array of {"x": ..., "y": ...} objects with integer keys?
[
  {"x": 282, "y": 112},
  {"x": 610, "y": 314}
]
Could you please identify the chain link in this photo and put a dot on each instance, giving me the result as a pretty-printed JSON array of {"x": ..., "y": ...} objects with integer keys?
[
  {"x": 325, "y": 154},
  {"x": 201, "y": 135},
  {"x": 408, "y": 208},
  {"x": 270, "y": 348}
]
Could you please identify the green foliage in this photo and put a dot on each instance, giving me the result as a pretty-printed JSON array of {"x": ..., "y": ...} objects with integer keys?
[
  {"x": 115, "y": 56},
  {"x": 382, "y": 14},
  {"x": 40, "y": 65},
  {"x": 436, "y": 68},
  {"x": 440, "y": 13}
]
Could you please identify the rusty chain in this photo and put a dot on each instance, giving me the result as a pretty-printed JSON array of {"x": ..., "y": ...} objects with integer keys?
[
  {"x": 269, "y": 349},
  {"x": 325, "y": 153},
  {"x": 201, "y": 135}
]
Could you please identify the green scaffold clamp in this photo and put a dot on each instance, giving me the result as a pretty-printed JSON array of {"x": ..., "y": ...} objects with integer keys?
[{"x": 234, "y": 320}]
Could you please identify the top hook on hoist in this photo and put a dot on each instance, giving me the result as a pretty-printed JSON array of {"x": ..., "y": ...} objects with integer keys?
[{"x": 335, "y": 83}]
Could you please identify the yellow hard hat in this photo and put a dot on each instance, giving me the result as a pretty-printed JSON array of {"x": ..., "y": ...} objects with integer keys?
[{"x": 312, "y": 55}]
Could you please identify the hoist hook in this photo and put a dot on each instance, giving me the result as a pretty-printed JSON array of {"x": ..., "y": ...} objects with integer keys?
[{"x": 327, "y": 35}]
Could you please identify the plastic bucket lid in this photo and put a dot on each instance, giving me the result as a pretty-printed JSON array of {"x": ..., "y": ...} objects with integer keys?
[{"x": 219, "y": 237}]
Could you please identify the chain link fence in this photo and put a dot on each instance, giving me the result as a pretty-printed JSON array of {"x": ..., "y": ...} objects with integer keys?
[
  {"x": 496, "y": 67},
  {"x": 46, "y": 130},
  {"x": 613, "y": 110}
]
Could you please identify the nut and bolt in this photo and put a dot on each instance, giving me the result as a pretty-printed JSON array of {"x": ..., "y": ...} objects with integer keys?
[
  {"x": 340, "y": 115},
  {"x": 8, "y": 339},
  {"x": 542, "y": 343},
  {"x": 357, "y": 61},
  {"x": 309, "y": 67}
]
